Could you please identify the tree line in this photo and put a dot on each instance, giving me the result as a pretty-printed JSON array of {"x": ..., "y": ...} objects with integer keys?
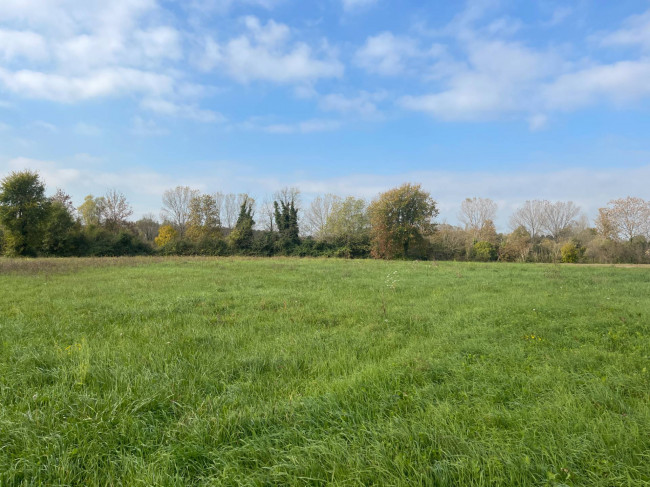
[{"x": 399, "y": 223}]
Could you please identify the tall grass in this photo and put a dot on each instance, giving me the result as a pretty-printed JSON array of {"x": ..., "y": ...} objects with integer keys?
[{"x": 314, "y": 372}]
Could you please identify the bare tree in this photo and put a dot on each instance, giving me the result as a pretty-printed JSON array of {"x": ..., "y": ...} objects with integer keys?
[
  {"x": 530, "y": 216},
  {"x": 65, "y": 200},
  {"x": 288, "y": 195},
  {"x": 625, "y": 218},
  {"x": 317, "y": 213},
  {"x": 230, "y": 210},
  {"x": 267, "y": 215},
  {"x": 176, "y": 206},
  {"x": 147, "y": 227},
  {"x": 558, "y": 217},
  {"x": 476, "y": 213},
  {"x": 115, "y": 210},
  {"x": 218, "y": 201}
]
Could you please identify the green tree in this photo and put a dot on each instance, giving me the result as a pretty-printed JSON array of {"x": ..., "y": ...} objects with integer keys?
[
  {"x": 203, "y": 222},
  {"x": 484, "y": 251},
  {"x": 348, "y": 227},
  {"x": 286, "y": 221},
  {"x": 58, "y": 229},
  {"x": 241, "y": 237},
  {"x": 23, "y": 210},
  {"x": 400, "y": 218},
  {"x": 90, "y": 211},
  {"x": 572, "y": 252}
]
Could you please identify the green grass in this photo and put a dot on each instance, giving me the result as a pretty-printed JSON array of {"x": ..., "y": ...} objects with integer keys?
[{"x": 314, "y": 372}]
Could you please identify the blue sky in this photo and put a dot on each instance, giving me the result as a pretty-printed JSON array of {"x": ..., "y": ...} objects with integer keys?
[{"x": 493, "y": 98}]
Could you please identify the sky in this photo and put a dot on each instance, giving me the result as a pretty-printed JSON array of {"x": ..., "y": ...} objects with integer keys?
[{"x": 501, "y": 99}]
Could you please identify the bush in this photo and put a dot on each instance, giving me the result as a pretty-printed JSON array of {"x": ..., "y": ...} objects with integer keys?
[
  {"x": 572, "y": 252},
  {"x": 484, "y": 252}
]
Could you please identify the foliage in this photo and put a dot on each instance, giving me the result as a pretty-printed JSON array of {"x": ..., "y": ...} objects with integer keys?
[
  {"x": 572, "y": 252},
  {"x": 484, "y": 252},
  {"x": 90, "y": 211},
  {"x": 399, "y": 218},
  {"x": 517, "y": 246},
  {"x": 166, "y": 234},
  {"x": 625, "y": 218},
  {"x": 203, "y": 222},
  {"x": 241, "y": 237},
  {"x": 60, "y": 231},
  {"x": 23, "y": 210},
  {"x": 286, "y": 221}
]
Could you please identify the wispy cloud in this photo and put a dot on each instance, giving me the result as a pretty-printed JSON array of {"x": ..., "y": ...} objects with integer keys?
[{"x": 264, "y": 52}]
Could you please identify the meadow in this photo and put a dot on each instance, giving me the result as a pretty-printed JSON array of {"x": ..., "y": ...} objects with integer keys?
[{"x": 234, "y": 371}]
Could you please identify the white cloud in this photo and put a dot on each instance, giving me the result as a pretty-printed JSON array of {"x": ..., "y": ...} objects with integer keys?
[
  {"x": 492, "y": 78},
  {"x": 222, "y": 6},
  {"x": 387, "y": 54},
  {"x": 621, "y": 83},
  {"x": 364, "y": 104},
  {"x": 190, "y": 112},
  {"x": 500, "y": 78},
  {"x": 636, "y": 32},
  {"x": 40, "y": 124},
  {"x": 75, "y": 50},
  {"x": 560, "y": 14},
  {"x": 105, "y": 82},
  {"x": 264, "y": 53},
  {"x": 16, "y": 44},
  {"x": 147, "y": 128},
  {"x": 350, "y": 5},
  {"x": 87, "y": 129},
  {"x": 302, "y": 127}
]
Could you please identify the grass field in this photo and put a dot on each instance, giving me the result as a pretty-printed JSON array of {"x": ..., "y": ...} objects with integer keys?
[{"x": 314, "y": 372}]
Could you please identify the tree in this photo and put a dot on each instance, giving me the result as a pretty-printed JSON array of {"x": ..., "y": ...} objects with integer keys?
[
  {"x": 530, "y": 216},
  {"x": 348, "y": 227},
  {"x": 166, "y": 234},
  {"x": 484, "y": 251},
  {"x": 318, "y": 213},
  {"x": 90, "y": 211},
  {"x": 399, "y": 218},
  {"x": 476, "y": 214},
  {"x": 23, "y": 210},
  {"x": 230, "y": 210},
  {"x": 572, "y": 252},
  {"x": 517, "y": 246},
  {"x": 558, "y": 217},
  {"x": 176, "y": 206},
  {"x": 115, "y": 210},
  {"x": 203, "y": 222},
  {"x": 267, "y": 212},
  {"x": 242, "y": 235},
  {"x": 147, "y": 227},
  {"x": 65, "y": 200},
  {"x": 625, "y": 218},
  {"x": 286, "y": 218},
  {"x": 58, "y": 237}
]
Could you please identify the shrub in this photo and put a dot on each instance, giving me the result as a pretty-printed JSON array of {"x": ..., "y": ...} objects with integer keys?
[{"x": 572, "y": 252}]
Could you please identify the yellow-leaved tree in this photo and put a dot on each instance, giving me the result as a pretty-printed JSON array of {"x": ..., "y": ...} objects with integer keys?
[{"x": 166, "y": 234}]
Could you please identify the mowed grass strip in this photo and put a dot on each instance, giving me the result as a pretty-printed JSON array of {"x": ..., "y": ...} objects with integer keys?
[{"x": 314, "y": 372}]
